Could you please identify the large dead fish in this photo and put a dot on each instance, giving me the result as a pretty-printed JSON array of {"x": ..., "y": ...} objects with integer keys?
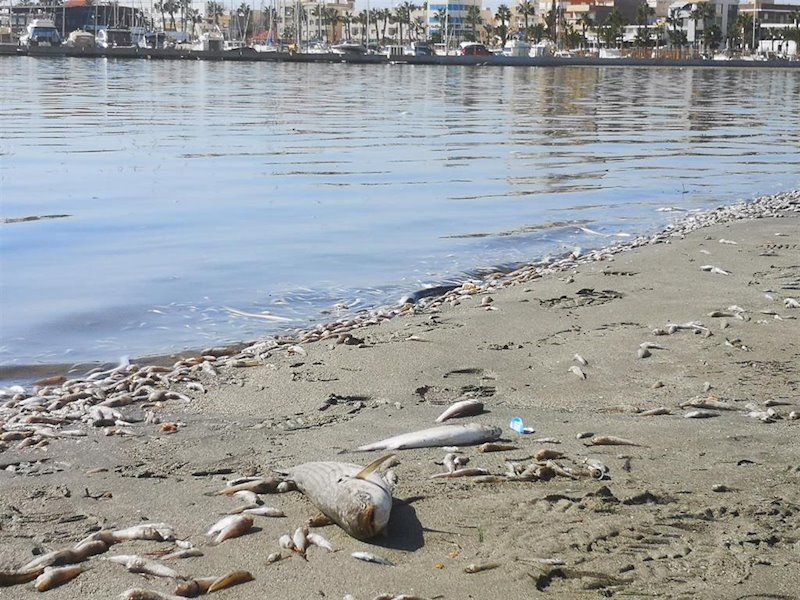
[
  {"x": 444, "y": 435},
  {"x": 355, "y": 498}
]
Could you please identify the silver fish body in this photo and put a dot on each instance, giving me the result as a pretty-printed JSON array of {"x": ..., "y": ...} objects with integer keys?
[
  {"x": 360, "y": 506},
  {"x": 464, "y": 408},
  {"x": 443, "y": 435}
]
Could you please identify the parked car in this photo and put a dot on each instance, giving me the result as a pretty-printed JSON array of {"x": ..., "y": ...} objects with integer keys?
[{"x": 473, "y": 49}]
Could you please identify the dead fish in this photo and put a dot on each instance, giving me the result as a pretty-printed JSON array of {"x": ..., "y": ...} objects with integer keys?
[
  {"x": 285, "y": 542},
  {"x": 444, "y": 435},
  {"x": 494, "y": 447},
  {"x": 713, "y": 269},
  {"x": 65, "y": 556},
  {"x": 464, "y": 408},
  {"x": 578, "y": 358},
  {"x": 354, "y": 497},
  {"x": 373, "y": 558},
  {"x": 138, "y": 564},
  {"x": 654, "y": 412},
  {"x": 460, "y": 473},
  {"x": 319, "y": 541},
  {"x": 547, "y": 454},
  {"x": 247, "y": 497},
  {"x": 611, "y": 440},
  {"x": 56, "y": 576},
  {"x": 142, "y": 594},
  {"x": 257, "y": 486},
  {"x": 159, "y": 532},
  {"x": 231, "y": 579},
  {"x": 8, "y": 578},
  {"x": 230, "y": 527},
  {"x": 710, "y": 402},
  {"x": 195, "y": 587},
  {"x": 264, "y": 511},
  {"x": 477, "y": 568},
  {"x": 597, "y": 469},
  {"x": 791, "y": 303},
  {"x": 643, "y": 353},
  {"x": 299, "y": 539},
  {"x": 578, "y": 371},
  {"x": 700, "y": 414},
  {"x": 183, "y": 553}
]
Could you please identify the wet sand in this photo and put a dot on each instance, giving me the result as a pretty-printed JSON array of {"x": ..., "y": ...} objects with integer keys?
[{"x": 699, "y": 508}]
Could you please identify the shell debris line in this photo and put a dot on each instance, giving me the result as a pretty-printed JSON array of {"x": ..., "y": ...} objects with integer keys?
[{"x": 450, "y": 500}]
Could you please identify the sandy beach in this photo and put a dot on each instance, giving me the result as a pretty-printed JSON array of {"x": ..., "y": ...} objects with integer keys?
[{"x": 701, "y": 317}]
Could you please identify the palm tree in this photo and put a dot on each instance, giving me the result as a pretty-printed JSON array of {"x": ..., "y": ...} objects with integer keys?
[
  {"x": 184, "y": 6},
  {"x": 527, "y": 9},
  {"x": 538, "y": 32},
  {"x": 408, "y": 11},
  {"x": 214, "y": 10},
  {"x": 586, "y": 24},
  {"x": 503, "y": 15},
  {"x": 612, "y": 28},
  {"x": 643, "y": 14},
  {"x": 474, "y": 20},
  {"x": 703, "y": 11},
  {"x": 400, "y": 17},
  {"x": 441, "y": 18},
  {"x": 347, "y": 19}
]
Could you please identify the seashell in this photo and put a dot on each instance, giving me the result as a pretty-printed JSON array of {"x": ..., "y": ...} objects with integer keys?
[
  {"x": 390, "y": 477},
  {"x": 195, "y": 587},
  {"x": 56, "y": 576},
  {"x": 274, "y": 557},
  {"x": 791, "y": 303},
  {"x": 229, "y": 580}
]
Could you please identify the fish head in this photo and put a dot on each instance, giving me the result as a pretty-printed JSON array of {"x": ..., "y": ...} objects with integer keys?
[
  {"x": 365, "y": 511},
  {"x": 493, "y": 431}
]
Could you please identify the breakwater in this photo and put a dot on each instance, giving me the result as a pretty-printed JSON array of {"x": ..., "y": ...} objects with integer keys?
[{"x": 250, "y": 55}]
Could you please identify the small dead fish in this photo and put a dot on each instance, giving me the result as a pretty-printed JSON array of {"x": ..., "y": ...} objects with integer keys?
[
  {"x": 547, "y": 454},
  {"x": 654, "y": 412},
  {"x": 578, "y": 371},
  {"x": 477, "y": 568},
  {"x": 264, "y": 511},
  {"x": 138, "y": 564},
  {"x": 56, "y": 576},
  {"x": 285, "y": 542},
  {"x": 700, "y": 413},
  {"x": 195, "y": 587},
  {"x": 724, "y": 241},
  {"x": 235, "y": 526},
  {"x": 247, "y": 497},
  {"x": 9, "y": 578},
  {"x": 652, "y": 346},
  {"x": 578, "y": 358},
  {"x": 460, "y": 473},
  {"x": 159, "y": 532},
  {"x": 66, "y": 556},
  {"x": 495, "y": 447},
  {"x": 611, "y": 440},
  {"x": 183, "y": 553},
  {"x": 373, "y": 558},
  {"x": 464, "y": 408},
  {"x": 713, "y": 269},
  {"x": 710, "y": 402},
  {"x": 142, "y": 594},
  {"x": 257, "y": 486},
  {"x": 299, "y": 539},
  {"x": 443, "y": 435},
  {"x": 231, "y": 579},
  {"x": 319, "y": 541}
]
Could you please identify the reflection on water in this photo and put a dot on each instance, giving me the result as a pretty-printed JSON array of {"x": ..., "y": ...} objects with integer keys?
[{"x": 305, "y": 192}]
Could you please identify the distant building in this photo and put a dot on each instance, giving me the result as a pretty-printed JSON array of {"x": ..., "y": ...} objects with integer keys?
[
  {"x": 449, "y": 18},
  {"x": 683, "y": 13}
]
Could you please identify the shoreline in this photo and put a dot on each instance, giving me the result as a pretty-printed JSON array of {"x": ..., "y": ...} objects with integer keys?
[
  {"x": 416, "y": 300},
  {"x": 249, "y": 55},
  {"x": 697, "y": 508}
]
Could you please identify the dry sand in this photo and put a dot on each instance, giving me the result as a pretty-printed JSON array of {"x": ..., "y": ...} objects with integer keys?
[{"x": 702, "y": 508}]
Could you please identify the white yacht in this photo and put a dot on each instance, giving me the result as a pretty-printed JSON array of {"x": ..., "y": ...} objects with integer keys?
[
  {"x": 80, "y": 39},
  {"x": 114, "y": 38},
  {"x": 41, "y": 32},
  {"x": 515, "y": 47}
]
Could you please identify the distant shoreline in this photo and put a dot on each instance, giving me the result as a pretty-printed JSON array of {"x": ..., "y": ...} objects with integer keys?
[{"x": 250, "y": 55}]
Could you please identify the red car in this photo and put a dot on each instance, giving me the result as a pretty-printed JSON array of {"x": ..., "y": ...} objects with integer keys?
[{"x": 474, "y": 49}]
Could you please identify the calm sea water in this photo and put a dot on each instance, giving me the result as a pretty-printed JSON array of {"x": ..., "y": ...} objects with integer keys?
[{"x": 312, "y": 191}]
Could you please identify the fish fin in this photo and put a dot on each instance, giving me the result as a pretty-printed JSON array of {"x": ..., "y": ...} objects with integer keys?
[{"x": 373, "y": 466}]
